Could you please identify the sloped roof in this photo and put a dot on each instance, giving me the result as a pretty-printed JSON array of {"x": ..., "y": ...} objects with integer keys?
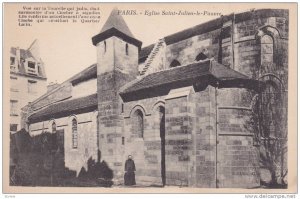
[
  {"x": 116, "y": 20},
  {"x": 183, "y": 73},
  {"x": 89, "y": 73},
  {"x": 65, "y": 108},
  {"x": 23, "y": 53},
  {"x": 115, "y": 25}
]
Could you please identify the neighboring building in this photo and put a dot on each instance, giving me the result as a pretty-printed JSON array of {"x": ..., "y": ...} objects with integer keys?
[
  {"x": 182, "y": 107},
  {"x": 27, "y": 81}
]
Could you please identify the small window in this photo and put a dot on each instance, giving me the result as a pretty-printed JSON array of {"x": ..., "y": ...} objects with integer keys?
[
  {"x": 53, "y": 127},
  {"x": 13, "y": 107},
  {"x": 39, "y": 69},
  {"x": 201, "y": 56},
  {"x": 122, "y": 108},
  {"x": 31, "y": 64},
  {"x": 174, "y": 63},
  {"x": 123, "y": 140},
  {"x": 12, "y": 60},
  {"x": 104, "y": 46},
  {"x": 31, "y": 68},
  {"x": 74, "y": 134},
  {"x": 126, "y": 49}
]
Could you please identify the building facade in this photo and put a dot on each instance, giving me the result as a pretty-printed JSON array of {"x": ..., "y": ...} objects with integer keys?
[
  {"x": 27, "y": 81},
  {"x": 187, "y": 108}
]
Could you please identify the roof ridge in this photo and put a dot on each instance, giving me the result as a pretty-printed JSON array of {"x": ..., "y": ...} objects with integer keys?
[{"x": 150, "y": 57}]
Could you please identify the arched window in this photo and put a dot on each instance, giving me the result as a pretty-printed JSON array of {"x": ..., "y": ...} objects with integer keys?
[
  {"x": 104, "y": 46},
  {"x": 126, "y": 49},
  {"x": 53, "y": 127},
  {"x": 174, "y": 63},
  {"x": 267, "y": 45},
  {"x": 74, "y": 134},
  {"x": 138, "y": 123},
  {"x": 201, "y": 56}
]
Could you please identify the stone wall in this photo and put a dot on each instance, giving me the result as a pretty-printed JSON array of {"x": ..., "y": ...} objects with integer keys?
[
  {"x": 75, "y": 159},
  {"x": 179, "y": 142},
  {"x": 187, "y": 50},
  {"x": 204, "y": 138},
  {"x": 111, "y": 120},
  {"x": 127, "y": 63},
  {"x": 237, "y": 155},
  {"x": 146, "y": 151}
]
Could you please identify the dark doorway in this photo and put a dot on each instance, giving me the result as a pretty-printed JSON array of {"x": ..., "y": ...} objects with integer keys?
[{"x": 162, "y": 137}]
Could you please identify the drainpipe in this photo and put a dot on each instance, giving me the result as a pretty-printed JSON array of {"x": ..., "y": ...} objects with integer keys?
[
  {"x": 216, "y": 158},
  {"x": 232, "y": 40}
]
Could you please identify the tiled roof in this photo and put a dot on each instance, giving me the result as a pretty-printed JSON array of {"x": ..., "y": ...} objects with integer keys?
[
  {"x": 89, "y": 73},
  {"x": 145, "y": 52},
  {"x": 183, "y": 73},
  {"x": 66, "y": 108}
]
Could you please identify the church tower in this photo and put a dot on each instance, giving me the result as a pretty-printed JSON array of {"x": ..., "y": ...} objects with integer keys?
[{"x": 117, "y": 64}]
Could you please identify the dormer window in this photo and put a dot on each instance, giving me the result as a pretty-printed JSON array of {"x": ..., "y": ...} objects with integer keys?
[{"x": 31, "y": 67}]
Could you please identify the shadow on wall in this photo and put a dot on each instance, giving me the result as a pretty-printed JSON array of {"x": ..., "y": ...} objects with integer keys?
[{"x": 40, "y": 161}]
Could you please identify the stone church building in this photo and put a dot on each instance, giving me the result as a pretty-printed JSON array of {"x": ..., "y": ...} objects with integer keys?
[{"x": 183, "y": 107}]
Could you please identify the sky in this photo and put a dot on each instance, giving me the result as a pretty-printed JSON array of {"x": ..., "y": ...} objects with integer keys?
[{"x": 67, "y": 49}]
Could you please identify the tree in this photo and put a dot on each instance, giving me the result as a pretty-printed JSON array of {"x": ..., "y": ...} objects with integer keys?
[{"x": 269, "y": 123}]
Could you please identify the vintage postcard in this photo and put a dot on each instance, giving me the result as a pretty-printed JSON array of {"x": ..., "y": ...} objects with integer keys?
[{"x": 149, "y": 97}]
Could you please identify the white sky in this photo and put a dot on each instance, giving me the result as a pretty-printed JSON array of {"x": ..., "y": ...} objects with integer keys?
[{"x": 67, "y": 49}]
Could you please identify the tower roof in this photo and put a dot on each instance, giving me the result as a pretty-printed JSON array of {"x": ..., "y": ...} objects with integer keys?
[
  {"x": 115, "y": 25},
  {"x": 115, "y": 20}
]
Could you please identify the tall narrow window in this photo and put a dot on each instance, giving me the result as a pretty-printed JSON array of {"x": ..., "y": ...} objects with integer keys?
[
  {"x": 123, "y": 140},
  {"x": 126, "y": 49},
  {"x": 122, "y": 108},
  {"x": 266, "y": 50},
  {"x": 174, "y": 63},
  {"x": 74, "y": 134},
  {"x": 138, "y": 124},
  {"x": 104, "y": 46}
]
